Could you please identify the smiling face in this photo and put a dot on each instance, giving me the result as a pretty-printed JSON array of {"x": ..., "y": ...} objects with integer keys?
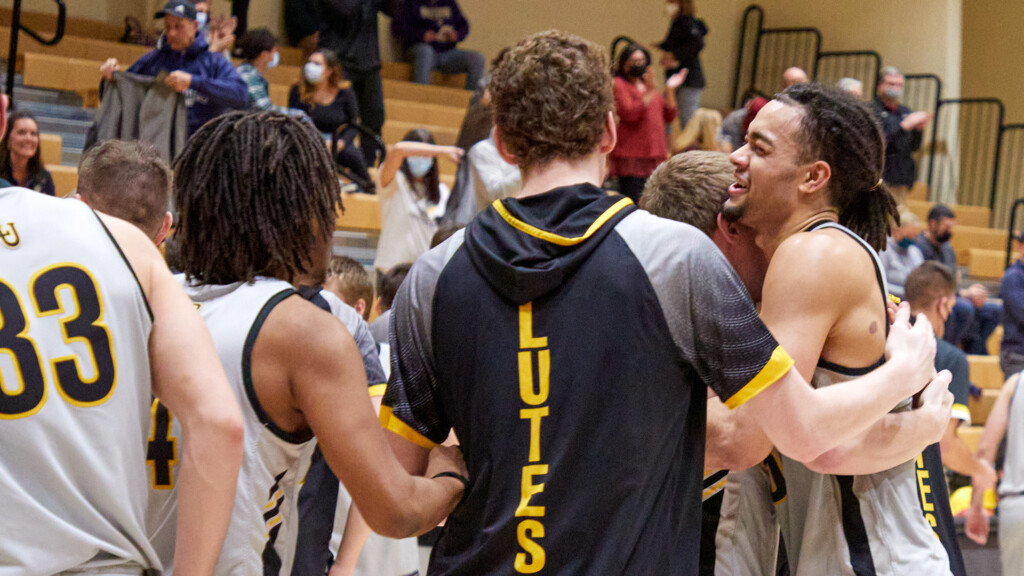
[
  {"x": 24, "y": 138},
  {"x": 768, "y": 169}
]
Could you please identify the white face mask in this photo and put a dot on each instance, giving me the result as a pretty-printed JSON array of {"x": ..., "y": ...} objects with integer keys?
[
  {"x": 274, "y": 61},
  {"x": 203, "y": 19},
  {"x": 313, "y": 72},
  {"x": 419, "y": 165}
]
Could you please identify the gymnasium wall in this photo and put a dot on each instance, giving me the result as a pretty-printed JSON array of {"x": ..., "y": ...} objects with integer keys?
[{"x": 993, "y": 50}]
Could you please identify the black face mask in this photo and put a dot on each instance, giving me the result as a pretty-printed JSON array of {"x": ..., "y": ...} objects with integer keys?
[
  {"x": 944, "y": 237},
  {"x": 636, "y": 70}
]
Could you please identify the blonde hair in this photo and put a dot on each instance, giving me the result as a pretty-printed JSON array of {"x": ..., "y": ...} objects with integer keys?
[{"x": 702, "y": 130}]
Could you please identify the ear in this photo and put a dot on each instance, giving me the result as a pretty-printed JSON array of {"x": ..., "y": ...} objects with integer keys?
[
  {"x": 164, "y": 229},
  {"x": 360, "y": 307},
  {"x": 728, "y": 231},
  {"x": 502, "y": 151},
  {"x": 816, "y": 177},
  {"x": 378, "y": 307},
  {"x": 611, "y": 136}
]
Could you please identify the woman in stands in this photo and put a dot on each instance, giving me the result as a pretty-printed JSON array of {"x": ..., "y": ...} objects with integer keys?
[
  {"x": 681, "y": 47},
  {"x": 21, "y": 161},
  {"x": 643, "y": 113},
  {"x": 328, "y": 99},
  {"x": 412, "y": 198},
  {"x": 702, "y": 132}
]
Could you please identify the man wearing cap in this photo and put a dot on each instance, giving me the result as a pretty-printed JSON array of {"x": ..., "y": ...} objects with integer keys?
[{"x": 209, "y": 81}]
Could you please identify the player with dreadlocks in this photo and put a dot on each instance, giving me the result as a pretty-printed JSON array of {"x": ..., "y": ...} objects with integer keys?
[
  {"x": 809, "y": 182},
  {"x": 256, "y": 194}
]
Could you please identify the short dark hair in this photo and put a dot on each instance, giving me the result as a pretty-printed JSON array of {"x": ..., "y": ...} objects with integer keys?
[
  {"x": 551, "y": 95},
  {"x": 390, "y": 282},
  {"x": 353, "y": 279},
  {"x": 255, "y": 192},
  {"x": 625, "y": 55},
  {"x": 690, "y": 187},
  {"x": 929, "y": 282},
  {"x": 128, "y": 180},
  {"x": 443, "y": 233},
  {"x": 255, "y": 42},
  {"x": 940, "y": 211}
]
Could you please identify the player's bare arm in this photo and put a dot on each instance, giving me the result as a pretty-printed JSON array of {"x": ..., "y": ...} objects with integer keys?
[
  {"x": 733, "y": 442},
  {"x": 995, "y": 430},
  {"x": 309, "y": 376},
  {"x": 188, "y": 379}
]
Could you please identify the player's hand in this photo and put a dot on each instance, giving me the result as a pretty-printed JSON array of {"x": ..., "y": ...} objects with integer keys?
[
  {"x": 676, "y": 80},
  {"x": 986, "y": 478},
  {"x": 890, "y": 308},
  {"x": 935, "y": 404},
  {"x": 178, "y": 80},
  {"x": 976, "y": 526},
  {"x": 913, "y": 348},
  {"x": 446, "y": 459},
  {"x": 109, "y": 67}
]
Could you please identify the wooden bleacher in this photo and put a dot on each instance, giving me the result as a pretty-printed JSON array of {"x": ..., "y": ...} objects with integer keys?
[
  {"x": 978, "y": 216},
  {"x": 65, "y": 178},
  {"x": 967, "y": 237},
  {"x": 51, "y": 148},
  {"x": 970, "y": 435},
  {"x": 985, "y": 264},
  {"x": 986, "y": 374}
]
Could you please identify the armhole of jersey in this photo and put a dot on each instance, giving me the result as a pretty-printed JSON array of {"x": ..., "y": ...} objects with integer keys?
[
  {"x": 126, "y": 263},
  {"x": 250, "y": 391}
]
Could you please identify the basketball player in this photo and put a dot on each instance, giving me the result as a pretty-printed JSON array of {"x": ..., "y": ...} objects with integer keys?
[
  {"x": 256, "y": 194},
  {"x": 569, "y": 339},
  {"x": 811, "y": 167},
  {"x": 91, "y": 325}
]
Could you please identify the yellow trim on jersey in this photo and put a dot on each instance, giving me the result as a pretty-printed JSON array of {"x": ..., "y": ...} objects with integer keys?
[
  {"x": 775, "y": 368},
  {"x": 961, "y": 412},
  {"x": 555, "y": 238},
  {"x": 377, "y": 390},
  {"x": 390, "y": 422},
  {"x": 894, "y": 299},
  {"x": 714, "y": 488}
]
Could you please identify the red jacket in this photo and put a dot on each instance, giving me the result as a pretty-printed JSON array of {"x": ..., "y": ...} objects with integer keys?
[{"x": 641, "y": 128}]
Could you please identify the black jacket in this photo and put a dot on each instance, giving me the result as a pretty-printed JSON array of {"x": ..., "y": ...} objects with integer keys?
[{"x": 900, "y": 145}]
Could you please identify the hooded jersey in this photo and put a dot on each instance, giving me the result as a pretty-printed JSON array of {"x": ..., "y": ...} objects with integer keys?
[
  {"x": 74, "y": 392},
  {"x": 568, "y": 339}
]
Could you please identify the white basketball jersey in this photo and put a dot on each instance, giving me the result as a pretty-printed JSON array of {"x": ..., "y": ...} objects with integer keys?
[
  {"x": 74, "y": 392},
  {"x": 264, "y": 519},
  {"x": 162, "y": 463}
]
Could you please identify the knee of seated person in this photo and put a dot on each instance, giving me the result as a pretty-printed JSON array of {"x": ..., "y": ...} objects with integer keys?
[{"x": 423, "y": 50}]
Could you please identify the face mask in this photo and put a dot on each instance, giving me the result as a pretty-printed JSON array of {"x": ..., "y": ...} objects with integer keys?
[
  {"x": 202, "y": 18},
  {"x": 894, "y": 94},
  {"x": 313, "y": 72},
  {"x": 419, "y": 165},
  {"x": 671, "y": 10},
  {"x": 274, "y": 61},
  {"x": 905, "y": 243},
  {"x": 636, "y": 70},
  {"x": 944, "y": 237}
]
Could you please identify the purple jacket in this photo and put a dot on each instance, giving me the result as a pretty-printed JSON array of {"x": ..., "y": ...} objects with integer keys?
[{"x": 414, "y": 18}]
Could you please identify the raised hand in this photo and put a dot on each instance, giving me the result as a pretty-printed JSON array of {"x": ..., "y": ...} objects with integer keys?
[{"x": 677, "y": 79}]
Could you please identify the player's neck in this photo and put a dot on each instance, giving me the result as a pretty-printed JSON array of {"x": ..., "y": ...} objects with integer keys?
[
  {"x": 559, "y": 173},
  {"x": 769, "y": 240}
]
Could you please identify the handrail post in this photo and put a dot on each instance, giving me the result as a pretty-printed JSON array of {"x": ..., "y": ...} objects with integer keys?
[{"x": 12, "y": 52}]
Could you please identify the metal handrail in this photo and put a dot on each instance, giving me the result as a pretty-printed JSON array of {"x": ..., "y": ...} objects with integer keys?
[
  {"x": 16, "y": 27},
  {"x": 739, "y": 55},
  {"x": 998, "y": 147}
]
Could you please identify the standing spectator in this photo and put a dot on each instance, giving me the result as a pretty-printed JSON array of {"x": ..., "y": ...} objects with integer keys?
[
  {"x": 682, "y": 48},
  {"x": 209, "y": 81},
  {"x": 258, "y": 51},
  {"x": 1011, "y": 291},
  {"x": 643, "y": 113},
  {"x": 349, "y": 29},
  {"x": 902, "y": 129},
  {"x": 412, "y": 198},
  {"x": 430, "y": 31},
  {"x": 851, "y": 86},
  {"x": 21, "y": 162},
  {"x": 901, "y": 256},
  {"x": 328, "y": 99},
  {"x": 302, "y": 24}
]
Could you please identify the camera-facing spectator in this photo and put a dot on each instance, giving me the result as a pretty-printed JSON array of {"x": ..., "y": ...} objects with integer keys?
[
  {"x": 903, "y": 132},
  {"x": 430, "y": 31},
  {"x": 21, "y": 162}
]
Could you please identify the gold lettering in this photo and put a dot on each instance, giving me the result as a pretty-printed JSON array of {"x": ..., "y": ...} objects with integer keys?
[
  {"x": 529, "y": 489},
  {"x": 526, "y": 339},
  {"x": 526, "y": 390},
  {"x": 9, "y": 235},
  {"x": 534, "y": 415},
  {"x": 530, "y": 529}
]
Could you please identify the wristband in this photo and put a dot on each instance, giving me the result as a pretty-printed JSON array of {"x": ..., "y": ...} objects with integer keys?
[{"x": 457, "y": 476}]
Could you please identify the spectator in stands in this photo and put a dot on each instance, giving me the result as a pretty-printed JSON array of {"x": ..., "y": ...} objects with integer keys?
[
  {"x": 348, "y": 280},
  {"x": 851, "y": 86},
  {"x": 430, "y": 31},
  {"x": 1011, "y": 291},
  {"x": 931, "y": 290},
  {"x": 218, "y": 30},
  {"x": 388, "y": 287},
  {"x": 643, "y": 113},
  {"x": 128, "y": 180},
  {"x": 21, "y": 160},
  {"x": 210, "y": 82},
  {"x": 328, "y": 99},
  {"x": 302, "y": 24},
  {"x": 702, "y": 132},
  {"x": 412, "y": 197},
  {"x": 793, "y": 76},
  {"x": 258, "y": 51},
  {"x": 934, "y": 239},
  {"x": 734, "y": 126},
  {"x": 901, "y": 256},
  {"x": 903, "y": 132},
  {"x": 682, "y": 48},
  {"x": 349, "y": 29}
]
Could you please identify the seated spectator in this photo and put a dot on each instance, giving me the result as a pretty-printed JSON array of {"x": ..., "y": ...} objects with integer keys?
[
  {"x": 258, "y": 51},
  {"x": 1011, "y": 291},
  {"x": 412, "y": 197},
  {"x": 430, "y": 31},
  {"x": 934, "y": 239},
  {"x": 21, "y": 161},
  {"x": 901, "y": 256},
  {"x": 851, "y": 86},
  {"x": 210, "y": 81},
  {"x": 328, "y": 99},
  {"x": 387, "y": 286},
  {"x": 643, "y": 112},
  {"x": 348, "y": 280},
  {"x": 735, "y": 124},
  {"x": 793, "y": 76},
  {"x": 702, "y": 132}
]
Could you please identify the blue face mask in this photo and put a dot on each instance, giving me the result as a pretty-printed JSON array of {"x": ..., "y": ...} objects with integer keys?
[
  {"x": 203, "y": 19},
  {"x": 274, "y": 61},
  {"x": 419, "y": 165},
  {"x": 905, "y": 243}
]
